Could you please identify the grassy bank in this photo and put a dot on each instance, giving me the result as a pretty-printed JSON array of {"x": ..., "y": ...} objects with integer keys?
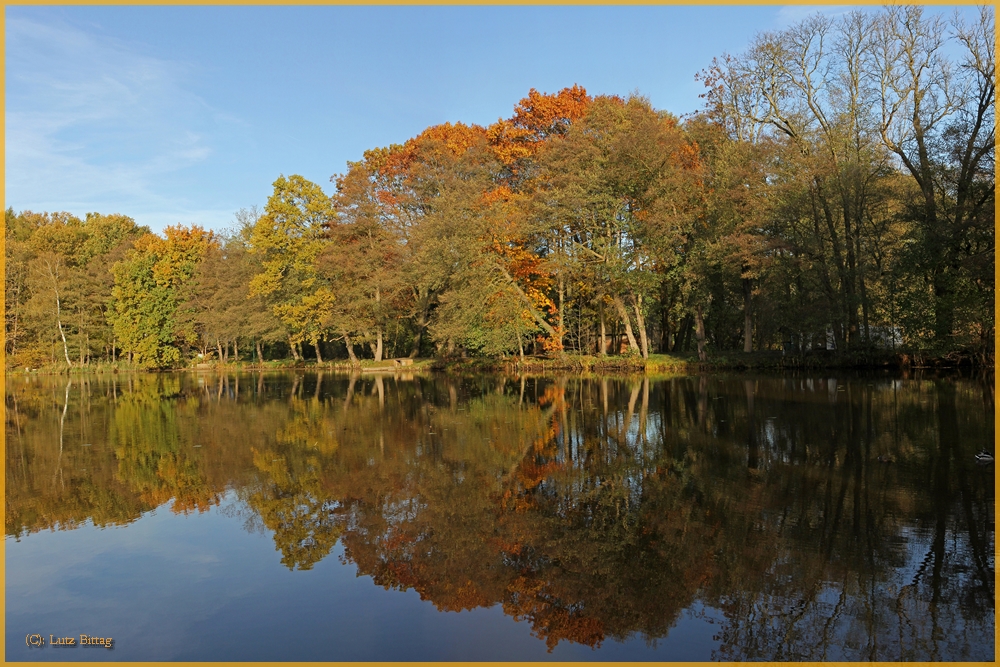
[
  {"x": 655, "y": 364},
  {"x": 734, "y": 361}
]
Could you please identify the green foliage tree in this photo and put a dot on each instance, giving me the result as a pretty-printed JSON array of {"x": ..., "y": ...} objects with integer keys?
[
  {"x": 146, "y": 294},
  {"x": 287, "y": 239}
]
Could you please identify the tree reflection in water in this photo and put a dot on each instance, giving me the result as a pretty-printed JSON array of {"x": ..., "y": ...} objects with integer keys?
[{"x": 592, "y": 508}]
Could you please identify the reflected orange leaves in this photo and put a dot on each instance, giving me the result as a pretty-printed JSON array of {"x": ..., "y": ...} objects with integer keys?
[{"x": 529, "y": 600}]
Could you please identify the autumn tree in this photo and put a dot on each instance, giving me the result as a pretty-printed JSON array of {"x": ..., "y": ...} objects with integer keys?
[
  {"x": 59, "y": 280},
  {"x": 363, "y": 258},
  {"x": 849, "y": 102},
  {"x": 938, "y": 117},
  {"x": 287, "y": 239},
  {"x": 615, "y": 197},
  {"x": 146, "y": 294},
  {"x": 214, "y": 307}
]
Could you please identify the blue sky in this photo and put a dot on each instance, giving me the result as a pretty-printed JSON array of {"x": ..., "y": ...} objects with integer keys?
[{"x": 187, "y": 114}]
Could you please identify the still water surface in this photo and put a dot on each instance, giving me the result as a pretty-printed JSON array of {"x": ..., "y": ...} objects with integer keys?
[{"x": 328, "y": 517}]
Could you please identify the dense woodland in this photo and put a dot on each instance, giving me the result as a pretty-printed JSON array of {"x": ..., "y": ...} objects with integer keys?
[{"x": 836, "y": 192}]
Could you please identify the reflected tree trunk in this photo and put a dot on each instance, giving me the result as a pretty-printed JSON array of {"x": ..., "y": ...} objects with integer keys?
[
  {"x": 633, "y": 397},
  {"x": 62, "y": 425},
  {"x": 350, "y": 390},
  {"x": 604, "y": 399},
  {"x": 380, "y": 388},
  {"x": 703, "y": 402},
  {"x": 644, "y": 410},
  {"x": 753, "y": 447},
  {"x": 948, "y": 434}
]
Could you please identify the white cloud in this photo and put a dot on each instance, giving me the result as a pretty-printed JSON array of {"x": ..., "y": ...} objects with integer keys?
[{"x": 93, "y": 123}]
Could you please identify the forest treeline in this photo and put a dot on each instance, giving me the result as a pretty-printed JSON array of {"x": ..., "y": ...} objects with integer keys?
[{"x": 836, "y": 191}]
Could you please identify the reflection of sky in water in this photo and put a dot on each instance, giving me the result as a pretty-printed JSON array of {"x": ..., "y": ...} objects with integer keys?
[{"x": 200, "y": 587}]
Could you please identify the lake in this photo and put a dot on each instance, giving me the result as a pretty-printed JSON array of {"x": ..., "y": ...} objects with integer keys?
[{"x": 310, "y": 516}]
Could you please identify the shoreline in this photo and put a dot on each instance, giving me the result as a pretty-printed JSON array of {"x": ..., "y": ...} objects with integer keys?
[{"x": 656, "y": 364}]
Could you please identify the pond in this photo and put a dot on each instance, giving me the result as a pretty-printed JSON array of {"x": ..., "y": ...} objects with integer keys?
[{"x": 310, "y": 516}]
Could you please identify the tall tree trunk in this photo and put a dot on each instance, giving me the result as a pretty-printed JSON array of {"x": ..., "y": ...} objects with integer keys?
[
  {"x": 699, "y": 320},
  {"x": 604, "y": 334},
  {"x": 747, "y": 315},
  {"x": 864, "y": 309},
  {"x": 62, "y": 334},
  {"x": 81, "y": 337},
  {"x": 236, "y": 351},
  {"x": 666, "y": 329},
  {"x": 423, "y": 298},
  {"x": 683, "y": 335},
  {"x": 851, "y": 292},
  {"x": 561, "y": 329},
  {"x": 350, "y": 349},
  {"x": 319, "y": 354},
  {"x": 623, "y": 314},
  {"x": 295, "y": 350},
  {"x": 260, "y": 352},
  {"x": 377, "y": 349},
  {"x": 218, "y": 346},
  {"x": 944, "y": 306},
  {"x": 845, "y": 297},
  {"x": 640, "y": 322},
  {"x": 415, "y": 347}
]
